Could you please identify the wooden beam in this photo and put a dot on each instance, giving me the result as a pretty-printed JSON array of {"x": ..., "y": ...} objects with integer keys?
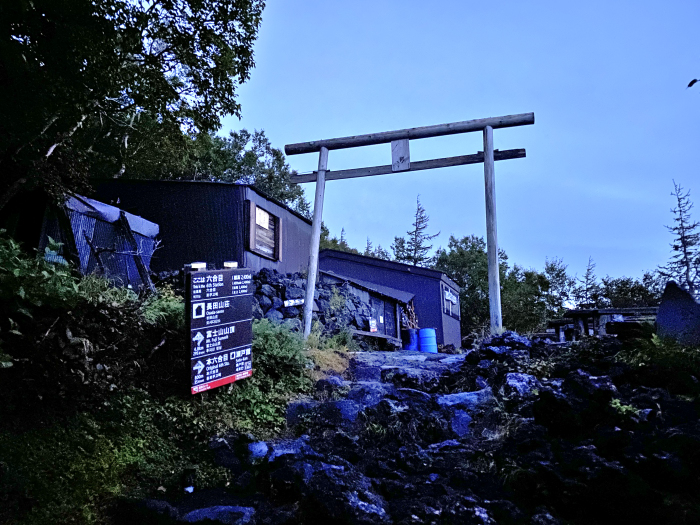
[
  {"x": 491, "y": 234},
  {"x": 315, "y": 241},
  {"x": 411, "y": 133},
  {"x": 460, "y": 160}
]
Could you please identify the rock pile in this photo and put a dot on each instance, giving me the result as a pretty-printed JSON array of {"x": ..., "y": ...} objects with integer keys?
[
  {"x": 336, "y": 309},
  {"x": 478, "y": 438}
]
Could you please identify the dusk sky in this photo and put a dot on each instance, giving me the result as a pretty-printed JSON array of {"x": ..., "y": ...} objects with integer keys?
[{"x": 614, "y": 122}]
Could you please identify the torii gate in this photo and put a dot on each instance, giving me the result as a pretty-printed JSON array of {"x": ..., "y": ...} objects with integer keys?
[{"x": 401, "y": 162}]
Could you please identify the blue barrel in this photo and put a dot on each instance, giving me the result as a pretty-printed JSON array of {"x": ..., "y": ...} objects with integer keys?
[
  {"x": 410, "y": 339},
  {"x": 427, "y": 340}
]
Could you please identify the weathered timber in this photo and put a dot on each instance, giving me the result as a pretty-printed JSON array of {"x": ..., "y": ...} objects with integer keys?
[
  {"x": 491, "y": 234},
  {"x": 315, "y": 240},
  {"x": 411, "y": 133},
  {"x": 400, "y": 155},
  {"x": 460, "y": 160}
]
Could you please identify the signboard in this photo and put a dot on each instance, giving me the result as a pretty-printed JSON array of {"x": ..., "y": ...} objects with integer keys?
[
  {"x": 219, "y": 311},
  {"x": 372, "y": 324}
]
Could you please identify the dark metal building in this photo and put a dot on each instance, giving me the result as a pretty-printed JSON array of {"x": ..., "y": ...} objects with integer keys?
[
  {"x": 436, "y": 296},
  {"x": 214, "y": 222},
  {"x": 385, "y": 304}
]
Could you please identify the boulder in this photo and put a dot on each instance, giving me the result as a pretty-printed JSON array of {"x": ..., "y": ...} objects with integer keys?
[
  {"x": 265, "y": 302},
  {"x": 290, "y": 312},
  {"x": 466, "y": 400},
  {"x": 275, "y": 316},
  {"x": 268, "y": 291},
  {"x": 459, "y": 423},
  {"x": 277, "y": 303},
  {"x": 293, "y": 292},
  {"x": 678, "y": 316},
  {"x": 520, "y": 386}
]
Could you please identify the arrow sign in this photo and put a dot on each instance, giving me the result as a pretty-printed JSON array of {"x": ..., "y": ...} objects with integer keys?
[
  {"x": 199, "y": 367},
  {"x": 198, "y": 338}
]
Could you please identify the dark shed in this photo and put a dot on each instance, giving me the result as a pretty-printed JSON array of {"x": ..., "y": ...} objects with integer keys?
[
  {"x": 436, "y": 296},
  {"x": 214, "y": 222},
  {"x": 385, "y": 304}
]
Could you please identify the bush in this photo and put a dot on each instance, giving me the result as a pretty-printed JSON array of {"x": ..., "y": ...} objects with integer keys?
[{"x": 73, "y": 469}]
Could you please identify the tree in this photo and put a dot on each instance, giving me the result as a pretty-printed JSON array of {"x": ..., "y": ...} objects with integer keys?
[
  {"x": 333, "y": 243},
  {"x": 588, "y": 291},
  {"x": 684, "y": 266},
  {"x": 85, "y": 86},
  {"x": 561, "y": 288},
  {"x": 626, "y": 292},
  {"x": 466, "y": 263},
  {"x": 415, "y": 248},
  {"x": 377, "y": 253},
  {"x": 242, "y": 157},
  {"x": 524, "y": 299}
]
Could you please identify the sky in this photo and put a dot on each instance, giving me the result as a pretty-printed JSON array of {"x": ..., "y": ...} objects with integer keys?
[{"x": 614, "y": 122}]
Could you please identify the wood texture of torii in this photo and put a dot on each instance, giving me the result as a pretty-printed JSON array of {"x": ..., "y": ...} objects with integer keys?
[{"x": 401, "y": 162}]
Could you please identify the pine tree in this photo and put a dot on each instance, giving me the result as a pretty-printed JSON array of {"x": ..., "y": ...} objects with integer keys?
[
  {"x": 684, "y": 266},
  {"x": 588, "y": 292},
  {"x": 414, "y": 249}
]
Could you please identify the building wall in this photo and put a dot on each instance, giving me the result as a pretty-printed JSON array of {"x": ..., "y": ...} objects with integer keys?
[
  {"x": 295, "y": 237},
  {"x": 427, "y": 290},
  {"x": 207, "y": 222},
  {"x": 198, "y": 222}
]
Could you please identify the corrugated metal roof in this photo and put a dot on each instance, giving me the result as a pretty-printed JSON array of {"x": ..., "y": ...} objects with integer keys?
[
  {"x": 105, "y": 212},
  {"x": 392, "y": 265},
  {"x": 399, "y": 295}
]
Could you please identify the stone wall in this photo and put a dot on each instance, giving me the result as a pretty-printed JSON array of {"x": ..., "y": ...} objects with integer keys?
[{"x": 338, "y": 308}]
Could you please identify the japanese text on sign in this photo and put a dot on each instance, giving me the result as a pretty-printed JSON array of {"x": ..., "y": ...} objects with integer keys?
[{"x": 219, "y": 308}]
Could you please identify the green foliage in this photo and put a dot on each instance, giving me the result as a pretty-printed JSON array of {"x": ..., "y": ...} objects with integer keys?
[
  {"x": 560, "y": 293},
  {"x": 131, "y": 444},
  {"x": 587, "y": 293},
  {"x": 664, "y": 353},
  {"x": 279, "y": 363},
  {"x": 523, "y": 291},
  {"x": 243, "y": 157},
  {"x": 622, "y": 409},
  {"x": 337, "y": 302},
  {"x": 88, "y": 87},
  {"x": 165, "y": 308},
  {"x": 377, "y": 253},
  {"x": 333, "y": 243},
  {"x": 626, "y": 292},
  {"x": 30, "y": 282}
]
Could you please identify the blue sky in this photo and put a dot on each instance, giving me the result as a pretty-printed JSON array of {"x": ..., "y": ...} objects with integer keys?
[{"x": 614, "y": 123}]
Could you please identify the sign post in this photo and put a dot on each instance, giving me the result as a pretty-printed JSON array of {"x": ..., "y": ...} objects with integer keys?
[{"x": 219, "y": 311}]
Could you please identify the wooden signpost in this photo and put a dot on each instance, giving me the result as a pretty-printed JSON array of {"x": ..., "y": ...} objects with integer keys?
[{"x": 401, "y": 163}]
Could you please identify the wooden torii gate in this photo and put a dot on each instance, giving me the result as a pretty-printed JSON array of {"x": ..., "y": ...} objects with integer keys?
[{"x": 401, "y": 162}]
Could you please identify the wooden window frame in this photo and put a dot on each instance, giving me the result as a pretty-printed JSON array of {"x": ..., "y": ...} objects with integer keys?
[
  {"x": 251, "y": 232},
  {"x": 457, "y": 307}
]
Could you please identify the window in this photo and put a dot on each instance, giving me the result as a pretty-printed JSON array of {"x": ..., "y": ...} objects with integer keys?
[
  {"x": 450, "y": 302},
  {"x": 264, "y": 235}
]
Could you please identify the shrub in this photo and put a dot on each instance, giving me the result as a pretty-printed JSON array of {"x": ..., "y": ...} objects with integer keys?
[{"x": 133, "y": 443}]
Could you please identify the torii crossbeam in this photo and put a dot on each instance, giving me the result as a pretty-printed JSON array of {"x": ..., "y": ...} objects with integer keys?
[{"x": 401, "y": 162}]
